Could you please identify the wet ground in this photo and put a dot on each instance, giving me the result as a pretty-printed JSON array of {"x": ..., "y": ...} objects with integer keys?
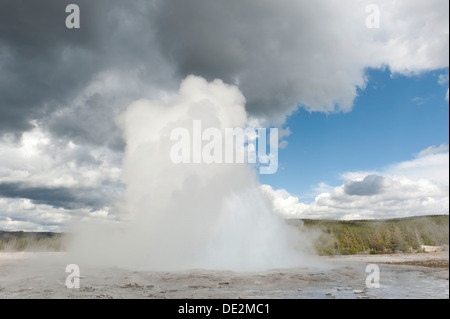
[{"x": 42, "y": 275}]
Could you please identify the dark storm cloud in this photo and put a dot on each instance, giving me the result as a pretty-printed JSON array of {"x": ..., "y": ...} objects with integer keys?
[
  {"x": 68, "y": 198},
  {"x": 86, "y": 123},
  {"x": 370, "y": 185},
  {"x": 258, "y": 45},
  {"x": 46, "y": 67},
  {"x": 233, "y": 41},
  {"x": 37, "y": 27},
  {"x": 274, "y": 50},
  {"x": 290, "y": 52},
  {"x": 39, "y": 67},
  {"x": 279, "y": 53}
]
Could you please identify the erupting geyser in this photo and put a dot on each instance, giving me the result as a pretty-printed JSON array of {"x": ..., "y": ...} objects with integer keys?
[{"x": 196, "y": 215}]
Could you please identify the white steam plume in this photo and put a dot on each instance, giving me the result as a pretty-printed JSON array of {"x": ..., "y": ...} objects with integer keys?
[{"x": 184, "y": 216}]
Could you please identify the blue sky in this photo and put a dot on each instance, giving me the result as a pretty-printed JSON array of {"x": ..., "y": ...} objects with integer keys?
[{"x": 394, "y": 117}]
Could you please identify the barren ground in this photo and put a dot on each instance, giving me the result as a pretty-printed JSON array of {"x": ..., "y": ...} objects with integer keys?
[{"x": 42, "y": 275}]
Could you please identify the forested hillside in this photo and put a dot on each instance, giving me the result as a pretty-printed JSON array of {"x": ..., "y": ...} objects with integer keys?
[
  {"x": 377, "y": 236},
  {"x": 31, "y": 241}
]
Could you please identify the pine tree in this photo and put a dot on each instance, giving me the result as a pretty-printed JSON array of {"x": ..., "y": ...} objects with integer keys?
[
  {"x": 398, "y": 242},
  {"x": 388, "y": 246},
  {"x": 377, "y": 243}
]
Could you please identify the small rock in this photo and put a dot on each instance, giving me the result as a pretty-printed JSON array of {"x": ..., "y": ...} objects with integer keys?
[
  {"x": 358, "y": 291},
  {"x": 198, "y": 287},
  {"x": 128, "y": 285}
]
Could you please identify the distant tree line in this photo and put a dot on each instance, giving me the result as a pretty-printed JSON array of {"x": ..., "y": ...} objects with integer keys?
[
  {"x": 32, "y": 241},
  {"x": 333, "y": 237},
  {"x": 379, "y": 236}
]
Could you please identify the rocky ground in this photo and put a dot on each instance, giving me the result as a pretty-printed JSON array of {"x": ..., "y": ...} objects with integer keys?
[{"x": 42, "y": 275}]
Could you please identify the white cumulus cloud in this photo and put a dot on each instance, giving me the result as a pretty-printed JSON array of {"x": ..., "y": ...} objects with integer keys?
[{"x": 416, "y": 187}]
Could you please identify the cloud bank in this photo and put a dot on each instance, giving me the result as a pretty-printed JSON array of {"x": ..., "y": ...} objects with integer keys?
[
  {"x": 412, "y": 188},
  {"x": 280, "y": 54},
  {"x": 45, "y": 183},
  {"x": 290, "y": 52}
]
